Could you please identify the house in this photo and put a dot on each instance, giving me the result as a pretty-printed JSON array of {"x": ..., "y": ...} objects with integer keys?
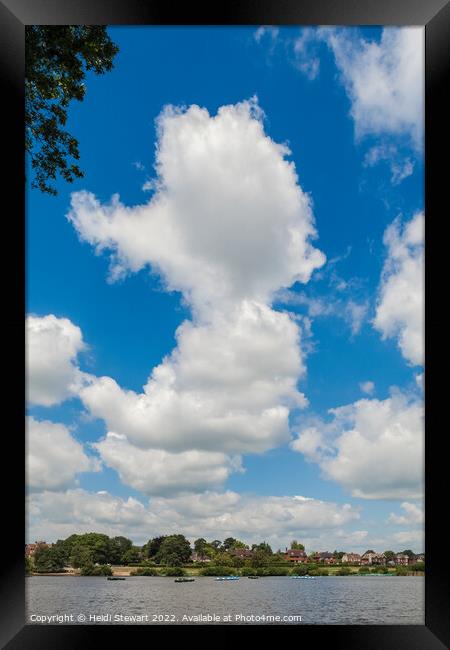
[
  {"x": 198, "y": 557},
  {"x": 30, "y": 549},
  {"x": 295, "y": 555},
  {"x": 401, "y": 559},
  {"x": 352, "y": 558},
  {"x": 327, "y": 558},
  {"x": 420, "y": 557},
  {"x": 370, "y": 557}
]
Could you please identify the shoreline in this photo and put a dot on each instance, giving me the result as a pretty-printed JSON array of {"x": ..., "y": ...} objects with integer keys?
[{"x": 70, "y": 574}]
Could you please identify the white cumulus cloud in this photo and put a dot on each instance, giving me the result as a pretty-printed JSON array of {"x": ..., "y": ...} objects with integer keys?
[
  {"x": 228, "y": 225},
  {"x": 400, "y": 308},
  {"x": 211, "y": 515},
  {"x": 410, "y": 538},
  {"x": 384, "y": 80},
  {"x": 52, "y": 346},
  {"x": 54, "y": 457},
  {"x": 155, "y": 471},
  {"x": 228, "y": 220},
  {"x": 412, "y": 514},
  {"x": 228, "y": 386},
  {"x": 373, "y": 448}
]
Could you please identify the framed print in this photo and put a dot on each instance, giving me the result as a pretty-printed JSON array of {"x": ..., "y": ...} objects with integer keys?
[{"x": 223, "y": 220}]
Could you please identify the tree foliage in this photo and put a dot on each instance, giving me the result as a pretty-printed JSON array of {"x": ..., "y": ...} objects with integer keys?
[
  {"x": 86, "y": 549},
  {"x": 263, "y": 547},
  {"x": 230, "y": 543},
  {"x": 119, "y": 547},
  {"x": 99, "y": 570},
  {"x": 296, "y": 546},
  {"x": 224, "y": 559},
  {"x": 81, "y": 555},
  {"x": 132, "y": 555},
  {"x": 299, "y": 571},
  {"x": 175, "y": 571},
  {"x": 29, "y": 566},
  {"x": 56, "y": 61},
  {"x": 153, "y": 545},
  {"x": 200, "y": 545},
  {"x": 47, "y": 559},
  {"x": 218, "y": 571},
  {"x": 174, "y": 550},
  {"x": 144, "y": 571},
  {"x": 259, "y": 559},
  {"x": 344, "y": 571}
]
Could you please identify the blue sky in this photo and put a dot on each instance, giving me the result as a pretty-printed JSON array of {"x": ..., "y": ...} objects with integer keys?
[{"x": 358, "y": 156}]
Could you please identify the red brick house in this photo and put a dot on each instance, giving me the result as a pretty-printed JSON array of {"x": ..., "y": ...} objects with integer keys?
[
  {"x": 295, "y": 555},
  {"x": 326, "y": 558},
  {"x": 30, "y": 549},
  {"x": 401, "y": 559}
]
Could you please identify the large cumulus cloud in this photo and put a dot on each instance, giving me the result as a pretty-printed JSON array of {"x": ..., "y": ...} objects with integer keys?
[{"x": 228, "y": 226}]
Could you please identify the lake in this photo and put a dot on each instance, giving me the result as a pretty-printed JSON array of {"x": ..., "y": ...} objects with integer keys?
[{"x": 155, "y": 600}]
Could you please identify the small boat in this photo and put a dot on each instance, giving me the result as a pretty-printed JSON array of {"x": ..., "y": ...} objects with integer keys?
[
  {"x": 184, "y": 580},
  {"x": 253, "y": 577},
  {"x": 115, "y": 578},
  {"x": 303, "y": 577},
  {"x": 228, "y": 578}
]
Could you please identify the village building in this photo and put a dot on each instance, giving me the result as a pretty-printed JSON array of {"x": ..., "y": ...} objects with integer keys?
[
  {"x": 30, "y": 549},
  {"x": 297, "y": 556},
  {"x": 401, "y": 559},
  {"x": 351, "y": 558},
  {"x": 370, "y": 558}
]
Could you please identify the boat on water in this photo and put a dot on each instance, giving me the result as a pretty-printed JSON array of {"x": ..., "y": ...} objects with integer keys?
[
  {"x": 115, "y": 578},
  {"x": 253, "y": 577},
  {"x": 184, "y": 580},
  {"x": 228, "y": 578},
  {"x": 303, "y": 577}
]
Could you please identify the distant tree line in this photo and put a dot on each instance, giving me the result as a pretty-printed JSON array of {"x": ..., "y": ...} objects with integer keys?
[
  {"x": 90, "y": 550},
  {"x": 94, "y": 553}
]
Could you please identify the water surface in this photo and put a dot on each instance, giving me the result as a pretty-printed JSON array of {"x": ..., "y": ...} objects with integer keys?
[{"x": 325, "y": 600}]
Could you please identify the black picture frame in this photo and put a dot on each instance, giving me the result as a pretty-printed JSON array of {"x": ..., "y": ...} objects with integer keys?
[{"x": 14, "y": 16}]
